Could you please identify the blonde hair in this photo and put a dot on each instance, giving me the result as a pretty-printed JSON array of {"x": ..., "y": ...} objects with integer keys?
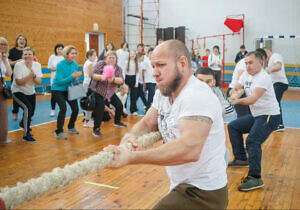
[
  {"x": 111, "y": 52},
  {"x": 123, "y": 86},
  {"x": 29, "y": 49},
  {"x": 67, "y": 50},
  {"x": 4, "y": 41}
]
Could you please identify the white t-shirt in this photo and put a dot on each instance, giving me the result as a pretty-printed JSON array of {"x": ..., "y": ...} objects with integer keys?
[
  {"x": 87, "y": 78},
  {"x": 267, "y": 103},
  {"x": 212, "y": 58},
  {"x": 240, "y": 66},
  {"x": 52, "y": 62},
  {"x": 148, "y": 71},
  {"x": 122, "y": 59},
  {"x": 195, "y": 99},
  {"x": 3, "y": 69},
  {"x": 141, "y": 67},
  {"x": 21, "y": 71},
  {"x": 122, "y": 99},
  {"x": 278, "y": 76}
]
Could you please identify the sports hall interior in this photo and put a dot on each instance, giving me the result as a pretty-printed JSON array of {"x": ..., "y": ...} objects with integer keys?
[{"x": 91, "y": 24}]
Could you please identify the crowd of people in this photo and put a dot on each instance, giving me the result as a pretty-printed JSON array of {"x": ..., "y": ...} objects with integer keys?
[{"x": 188, "y": 113}]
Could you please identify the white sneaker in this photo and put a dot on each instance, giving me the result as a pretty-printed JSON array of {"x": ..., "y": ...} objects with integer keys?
[
  {"x": 61, "y": 135},
  {"x": 88, "y": 124},
  {"x": 52, "y": 113},
  {"x": 135, "y": 113}
]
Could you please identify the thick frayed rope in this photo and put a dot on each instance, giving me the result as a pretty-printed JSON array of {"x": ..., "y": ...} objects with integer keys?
[{"x": 59, "y": 177}]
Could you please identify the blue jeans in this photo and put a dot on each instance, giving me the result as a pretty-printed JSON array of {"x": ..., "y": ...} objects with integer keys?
[
  {"x": 259, "y": 128},
  {"x": 279, "y": 89}
]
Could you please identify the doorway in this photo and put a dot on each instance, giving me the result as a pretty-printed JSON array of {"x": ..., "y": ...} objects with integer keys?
[{"x": 94, "y": 41}]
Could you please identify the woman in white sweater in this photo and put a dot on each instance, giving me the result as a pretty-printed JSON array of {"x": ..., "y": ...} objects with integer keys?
[{"x": 215, "y": 63}]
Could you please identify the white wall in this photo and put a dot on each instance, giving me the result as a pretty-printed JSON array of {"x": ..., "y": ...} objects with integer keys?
[{"x": 262, "y": 17}]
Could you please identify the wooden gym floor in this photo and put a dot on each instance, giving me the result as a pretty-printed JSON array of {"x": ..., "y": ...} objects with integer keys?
[{"x": 141, "y": 186}]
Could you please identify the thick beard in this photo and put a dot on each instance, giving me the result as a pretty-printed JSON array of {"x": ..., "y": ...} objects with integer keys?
[{"x": 167, "y": 91}]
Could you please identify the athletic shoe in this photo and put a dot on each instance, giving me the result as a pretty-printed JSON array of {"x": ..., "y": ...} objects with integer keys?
[
  {"x": 21, "y": 126},
  {"x": 73, "y": 130},
  {"x": 119, "y": 124},
  {"x": 238, "y": 163},
  {"x": 251, "y": 183},
  {"x": 88, "y": 124},
  {"x": 61, "y": 135},
  {"x": 15, "y": 116},
  {"x": 135, "y": 113},
  {"x": 96, "y": 132},
  {"x": 29, "y": 138},
  {"x": 6, "y": 141},
  {"x": 280, "y": 128},
  {"x": 52, "y": 113}
]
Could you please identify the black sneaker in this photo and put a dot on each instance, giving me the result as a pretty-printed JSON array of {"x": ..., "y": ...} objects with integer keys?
[
  {"x": 21, "y": 126},
  {"x": 29, "y": 138},
  {"x": 238, "y": 163},
  {"x": 119, "y": 124},
  {"x": 280, "y": 128},
  {"x": 96, "y": 132},
  {"x": 251, "y": 183}
]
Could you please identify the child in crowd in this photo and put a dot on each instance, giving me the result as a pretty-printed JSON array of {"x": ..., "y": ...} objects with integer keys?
[
  {"x": 205, "y": 58},
  {"x": 122, "y": 94},
  {"x": 205, "y": 74}
]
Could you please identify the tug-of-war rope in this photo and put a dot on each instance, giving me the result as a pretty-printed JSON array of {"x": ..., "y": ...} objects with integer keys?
[{"x": 59, "y": 177}]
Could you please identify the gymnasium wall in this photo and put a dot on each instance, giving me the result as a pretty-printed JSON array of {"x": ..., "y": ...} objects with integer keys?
[
  {"x": 48, "y": 22},
  {"x": 206, "y": 17}
]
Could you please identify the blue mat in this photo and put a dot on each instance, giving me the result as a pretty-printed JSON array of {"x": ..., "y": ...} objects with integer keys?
[{"x": 290, "y": 109}]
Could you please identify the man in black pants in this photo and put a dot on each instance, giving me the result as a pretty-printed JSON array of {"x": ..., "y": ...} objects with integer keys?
[{"x": 276, "y": 70}]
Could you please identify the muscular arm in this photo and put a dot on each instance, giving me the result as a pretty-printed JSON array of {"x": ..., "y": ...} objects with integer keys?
[
  {"x": 249, "y": 100},
  {"x": 193, "y": 134},
  {"x": 147, "y": 124}
]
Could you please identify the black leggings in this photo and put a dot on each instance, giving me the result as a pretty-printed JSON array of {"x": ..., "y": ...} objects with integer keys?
[
  {"x": 16, "y": 106},
  {"x": 27, "y": 103},
  {"x": 53, "y": 102},
  {"x": 99, "y": 111},
  {"x": 141, "y": 93},
  {"x": 130, "y": 81},
  {"x": 61, "y": 97}
]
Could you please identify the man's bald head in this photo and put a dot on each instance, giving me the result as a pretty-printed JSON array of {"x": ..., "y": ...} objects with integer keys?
[{"x": 177, "y": 48}]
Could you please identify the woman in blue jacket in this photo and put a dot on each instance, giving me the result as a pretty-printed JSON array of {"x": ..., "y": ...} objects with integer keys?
[{"x": 66, "y": 73}]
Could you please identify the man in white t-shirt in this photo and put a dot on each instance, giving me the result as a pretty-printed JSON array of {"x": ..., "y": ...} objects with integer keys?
[
  {"x": 264, "y": 118},
  {"x": 189, "y": 117},
  {"x": 239, "y": 69},
  {"x": 280, "y": 83}
]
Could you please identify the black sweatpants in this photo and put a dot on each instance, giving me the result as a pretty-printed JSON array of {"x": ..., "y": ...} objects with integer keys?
[
  {"x": 27, "y": 103},
  {"x": 99, "y": 111},
  {"x": 61, "y": 97}
]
